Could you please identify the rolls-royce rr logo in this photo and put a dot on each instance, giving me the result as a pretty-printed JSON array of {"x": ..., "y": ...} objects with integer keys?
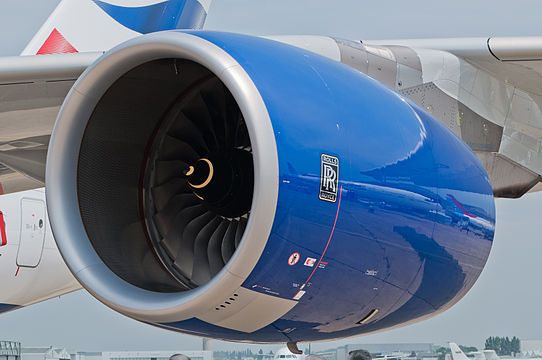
[{"x": 329, "y": 178}]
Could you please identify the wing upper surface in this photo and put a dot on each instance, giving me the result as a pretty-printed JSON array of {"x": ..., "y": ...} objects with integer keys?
[{"x": 515, "y": 60}]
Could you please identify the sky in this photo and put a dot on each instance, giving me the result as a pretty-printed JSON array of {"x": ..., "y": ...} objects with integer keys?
[{"x": 506, "y": 299}]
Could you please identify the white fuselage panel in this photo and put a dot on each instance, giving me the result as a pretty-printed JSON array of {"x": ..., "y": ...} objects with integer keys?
[{"x": 31, "y": 266}]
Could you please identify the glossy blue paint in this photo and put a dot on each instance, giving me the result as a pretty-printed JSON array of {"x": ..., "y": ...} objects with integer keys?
[
  {"x": 167, "y": 15},
  {"x": 416, "y": 218},
  {"x": 8, "y": 307}
]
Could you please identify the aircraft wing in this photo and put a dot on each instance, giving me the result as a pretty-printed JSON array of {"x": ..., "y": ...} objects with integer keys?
[
  {"x": 499, "y": 79},
  {"x": 493, "y": 86},
  {"x": 514, "y": 60},
  {"x": 32, "y": 88}
]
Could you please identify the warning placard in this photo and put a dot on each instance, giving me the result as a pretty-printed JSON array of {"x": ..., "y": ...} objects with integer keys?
[{"x": 293, "y": 259}]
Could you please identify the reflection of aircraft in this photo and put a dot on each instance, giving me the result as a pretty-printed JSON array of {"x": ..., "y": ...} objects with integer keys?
[
  {"x": 490, "y": 355},
  {"x": 466, "y": 220},
  {"x": 229, "y": 186},
  {"x": 457, "y": 353}
]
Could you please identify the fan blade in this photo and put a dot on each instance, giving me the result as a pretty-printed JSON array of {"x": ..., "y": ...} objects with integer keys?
[
  {"x": 232, "y": 115},
  {"x": 242, "y": 139},
  {"x": 164, "y": 193},
  {"x": 175, "y": 149},
  {"x": 197, "y": 112},
  {"x": 214, "y": 248},
  {"x": 185, "y": 130},
  {"x": 240, "y": 231},
  {"x": 216, "y": 107},
  {"x": 201, "y": 272},
  {"x": 228, "y": 243},
  {"x": 172, "y": 231},
  {"x": 167, "y": 170},
  {"x": 166, "y": 215},
  {"x": 189, "y": 226}
]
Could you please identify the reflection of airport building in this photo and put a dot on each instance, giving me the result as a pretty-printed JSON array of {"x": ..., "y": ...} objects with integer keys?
[
  {"x": 86, "y": 355},
  {"x": 44, "y": 353},
  {"x": 10, "y": 350},
  {"x": 531, "y": 347},
  {"x": 381, "y": 350},
  {"x": 154, "y": 355}
]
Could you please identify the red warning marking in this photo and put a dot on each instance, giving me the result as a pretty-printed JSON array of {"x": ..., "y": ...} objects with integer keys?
[
  {"x": 56, "y": 44},
  {"x": 3, "y": 236},
  {"x": 293, "y": 259},
  {"x": 330, "y": 236},
  {"x": 17, "y": 272}
]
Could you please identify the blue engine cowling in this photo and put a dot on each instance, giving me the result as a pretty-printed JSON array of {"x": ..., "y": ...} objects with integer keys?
[{"x": 367, "y": 213}]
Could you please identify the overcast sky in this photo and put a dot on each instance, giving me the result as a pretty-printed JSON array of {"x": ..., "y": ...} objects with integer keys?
[{"x": 506, "y": 299}]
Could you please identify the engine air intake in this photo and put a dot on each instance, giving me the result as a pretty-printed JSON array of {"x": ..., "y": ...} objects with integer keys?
[{"x": 166, "y": 176}]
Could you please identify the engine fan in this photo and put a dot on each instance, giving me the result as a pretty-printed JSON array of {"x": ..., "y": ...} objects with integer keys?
[{"x": 199, "y": 185}]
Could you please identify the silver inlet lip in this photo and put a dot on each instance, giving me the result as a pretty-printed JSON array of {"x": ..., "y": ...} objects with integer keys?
[{"x": 61, "y": 178}]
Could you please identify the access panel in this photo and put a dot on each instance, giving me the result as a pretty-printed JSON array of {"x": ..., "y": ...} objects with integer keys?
[{"x": 32, "y": 232}]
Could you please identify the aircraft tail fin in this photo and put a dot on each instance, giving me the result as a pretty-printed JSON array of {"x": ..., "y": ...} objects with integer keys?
[
  {"x": 98, "y": 25},
  {"x": 457, "y": 353}
]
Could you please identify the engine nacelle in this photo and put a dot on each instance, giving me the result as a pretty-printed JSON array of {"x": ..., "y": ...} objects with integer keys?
[{"x": 238, "y": 188}]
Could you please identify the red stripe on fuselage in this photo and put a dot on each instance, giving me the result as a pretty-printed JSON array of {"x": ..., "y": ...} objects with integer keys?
[
  {"x": 3, "y": 236},
  {"x": 56, "y": 44}
]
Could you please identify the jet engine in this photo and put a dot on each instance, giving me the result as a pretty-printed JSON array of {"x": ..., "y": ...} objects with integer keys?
[{"x": 238, "y": 188}]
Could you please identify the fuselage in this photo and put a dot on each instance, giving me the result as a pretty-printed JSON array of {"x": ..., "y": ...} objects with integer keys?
[{"x": 32, "y": 267}]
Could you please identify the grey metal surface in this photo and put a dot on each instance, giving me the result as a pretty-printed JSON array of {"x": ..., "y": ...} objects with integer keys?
[
  {"x": 406, "y": 56},
  {"x": 353, "y": 54},
  {"x": 479, "y": 133},
  {"x": 409, "y": 68},
  {"x": 437, "y": 103},
  {"x": 62, "y": 202},
  {"x": 407, "y": 77},
  {"x": 244, "y": 313},
  {"x": 521, "y": 57},
  {"x": 516, "y": 48},
  {"x": 508, "y": 178},
  {"x": 464, "y": 47},
  {"x": 398, "y": 67},
  {"x": 21, "y": 69},
  {"x": 382, "y": 69},
  {"x": 504, "y": 98}
]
